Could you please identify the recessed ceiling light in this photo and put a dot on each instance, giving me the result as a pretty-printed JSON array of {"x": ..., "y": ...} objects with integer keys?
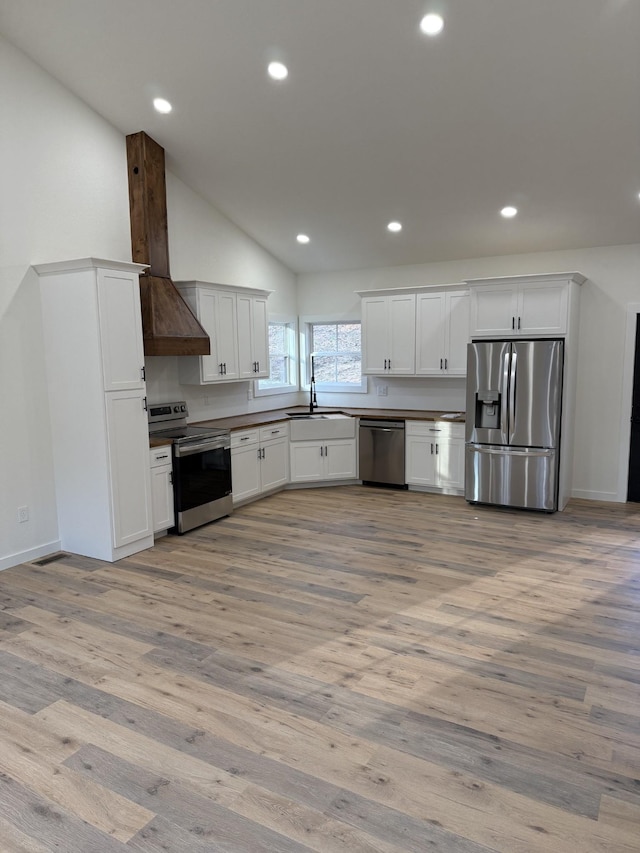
[
  {"x": 277, "y": 71},
  {"x": 302, "y": 238},
  {"x": 161, "y": 105},
  {"x": 395, "y": 227},
  {"x": 508, "y": 212},
  {"x": 431, "y": 25}
]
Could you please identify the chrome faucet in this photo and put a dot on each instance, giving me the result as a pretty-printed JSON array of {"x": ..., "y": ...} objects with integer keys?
[{"x": 313, "y": 401}]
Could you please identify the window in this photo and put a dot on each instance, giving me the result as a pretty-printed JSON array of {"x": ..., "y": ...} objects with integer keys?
[
  {"x": 282, "y": 359},
  {"x": 337, "y": 359}
]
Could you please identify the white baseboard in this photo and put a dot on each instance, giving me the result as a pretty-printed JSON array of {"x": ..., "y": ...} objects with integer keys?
[
  {"x": 588, "y": 495},
  {"x": 30, "y": 555}
]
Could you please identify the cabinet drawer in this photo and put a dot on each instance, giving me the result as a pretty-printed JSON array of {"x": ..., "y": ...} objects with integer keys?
[
  {"x": 160, "y": 455},
  {"x": 442, "y": 429},
  {"x": 278, "y": 430},
  {"x": 244, "y": 438}
]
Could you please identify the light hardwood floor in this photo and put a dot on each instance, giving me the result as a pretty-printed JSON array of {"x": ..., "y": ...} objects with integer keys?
[{"x": 339, "y": 669}]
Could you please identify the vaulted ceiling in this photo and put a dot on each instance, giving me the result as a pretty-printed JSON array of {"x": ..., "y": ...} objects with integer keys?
[{"x": 528, "y": 103}]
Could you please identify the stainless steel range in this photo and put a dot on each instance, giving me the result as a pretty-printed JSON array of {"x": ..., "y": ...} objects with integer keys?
[{"x": 201, "y": 465}]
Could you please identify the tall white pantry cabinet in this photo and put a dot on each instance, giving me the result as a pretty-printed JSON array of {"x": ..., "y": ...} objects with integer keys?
[{"x": 95, "y": 374}]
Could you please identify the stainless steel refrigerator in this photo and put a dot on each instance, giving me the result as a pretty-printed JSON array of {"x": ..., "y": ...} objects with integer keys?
[{"x": 514, "y": 406}]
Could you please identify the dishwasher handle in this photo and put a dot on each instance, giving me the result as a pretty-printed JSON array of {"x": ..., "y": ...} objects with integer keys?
[{"x": 380, "y": 424}]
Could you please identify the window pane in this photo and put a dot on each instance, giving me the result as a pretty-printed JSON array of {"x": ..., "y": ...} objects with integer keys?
[
  {"x": 324, "y": 337},
  {"x": 325, "y": 368},
  {"x": 278, "y": 369},
  {"x": 277, "y": 338},
  {"x": 348, "y": 368},
  {"x": 348, "y": 337},
  {"x": 337, "y": 353}
]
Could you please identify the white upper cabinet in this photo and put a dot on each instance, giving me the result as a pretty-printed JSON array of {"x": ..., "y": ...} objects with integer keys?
[
  {"x": 442, "y": 333},
  {"x": 236, "y": 321},
  {"x": 253, "y": 345},
  {"x": 523, "y": 306},
  {"x": 389, "y": 334},
  {"x": 421, "y": 331},
  {"x": 120, "y": 330}
]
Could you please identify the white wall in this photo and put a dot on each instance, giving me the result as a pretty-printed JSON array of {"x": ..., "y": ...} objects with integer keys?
[
  {"x": 64, "y": 194},
  {"x": 613, "y": 275},
  {"x": 204, "y": 245}
]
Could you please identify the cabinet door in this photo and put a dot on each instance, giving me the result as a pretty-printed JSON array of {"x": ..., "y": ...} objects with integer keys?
[
  {"x": 307, "y": 461},
  {"x": 451, "y": 463},
  {"x": 226, "y": 333},
  {"x": 274, "y": 465},
  {"x": 375, "y": 349},
  {"x": 402, "y": 335},
  {"x": 210, "y": 369},
  {"x": 128, "y": 437},
  {"x": 260, "y": 337},
  {"x": 120, "y": 330},
  {"x": 162, "y": 498},
  {"x": 494, "y": 310},
  {"x": 543, "y": 309},
  {"x": 457, "y": 333},
  {"x": 340, "y": 459},
  {"x": 253, "y": 345},
  {"x": 420, "y": 460},
  {"x": 430, "y": 334},
  {"x": 245, "y": 473}
]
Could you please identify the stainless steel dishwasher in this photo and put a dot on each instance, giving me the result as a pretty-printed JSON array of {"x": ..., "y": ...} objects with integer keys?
[{"x": 382, "y": 452}]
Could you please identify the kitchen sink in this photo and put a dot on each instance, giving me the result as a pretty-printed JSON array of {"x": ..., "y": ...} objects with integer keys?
[
  {"x": 306, "y": 426},
  {"x": 307, "y": 416}
]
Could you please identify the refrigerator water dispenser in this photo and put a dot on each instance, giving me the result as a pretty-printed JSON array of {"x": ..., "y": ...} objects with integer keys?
[{"x": 488, "y": 405}]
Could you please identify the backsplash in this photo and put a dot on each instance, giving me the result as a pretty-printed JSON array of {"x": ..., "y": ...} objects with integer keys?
[{"x": 236, "y": 398}]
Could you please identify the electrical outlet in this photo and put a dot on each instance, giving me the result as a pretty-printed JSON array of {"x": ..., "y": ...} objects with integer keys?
[
  {"x": 382, "y": 390},
  {"x": 23, "y": 514},
  {"x": 250, "y": 391}
]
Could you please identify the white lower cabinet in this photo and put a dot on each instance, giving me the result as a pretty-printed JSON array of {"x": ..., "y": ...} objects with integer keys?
[
  {"x": 161, "y": 488},
  {"x": 259, "y": 461},
  {"x": 435, "y": 455},
  {"x": 329, "y": 459}
]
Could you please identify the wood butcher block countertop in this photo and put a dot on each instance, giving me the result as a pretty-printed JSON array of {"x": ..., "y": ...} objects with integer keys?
[
  {"x": 255, "y": 419},
  {"x": 158, "y": 442}
]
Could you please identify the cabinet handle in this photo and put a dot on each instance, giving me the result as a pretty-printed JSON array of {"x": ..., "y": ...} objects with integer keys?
[
  {"x": 436, "y": 449},
  {"x": 385, "y": 364},
  {"x": 326, "y": 450},
  {"x": 164, "y": 456},
  {"x": 143, "y": 374},
  {"x": 171, "y": 477},
  {"x": 440, "y": 364},
  {"x": 225, "y": 368},
  {"x": 221, "y": 370},
  {"x": 144, "y": 404},
  {"x": 446, "y": 363},
  {"x": 245, "y": 438},
  {"x": 513, "y": 322},
  {"x": 518, "y": 323},
  {"x": 389, "y": 364},
  {"x": 432, "y": 448},
  {"x": 321, "y": 450},
  {"x": 275, "y": 432}
]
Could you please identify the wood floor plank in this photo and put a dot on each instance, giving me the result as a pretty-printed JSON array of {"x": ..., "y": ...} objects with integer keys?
[{"x": 345, "y": 668}]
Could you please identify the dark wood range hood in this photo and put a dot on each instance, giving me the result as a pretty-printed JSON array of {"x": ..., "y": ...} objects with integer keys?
[{"x": 168, "y": 324}]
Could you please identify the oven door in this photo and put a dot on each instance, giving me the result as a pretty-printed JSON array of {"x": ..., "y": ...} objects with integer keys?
[{"x": 201, "y": 482}]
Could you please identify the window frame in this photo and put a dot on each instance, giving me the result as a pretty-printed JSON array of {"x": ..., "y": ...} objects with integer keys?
[
  {"x": 293, "y": 384},
  {"x": 306, "y": 324}
]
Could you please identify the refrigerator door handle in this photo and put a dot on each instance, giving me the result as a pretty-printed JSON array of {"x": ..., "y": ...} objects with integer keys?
[
  {"x": 504, "y": 417},
  {"x": 513, "y": 378}
]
